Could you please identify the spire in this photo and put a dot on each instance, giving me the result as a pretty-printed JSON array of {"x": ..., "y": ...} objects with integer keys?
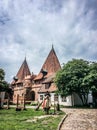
[
  {"x": 24, "y": 70},
  {"x": 51, "y": 64},
  {"x": 52, "y": 47},
  {"x": 25, "y": 55}
]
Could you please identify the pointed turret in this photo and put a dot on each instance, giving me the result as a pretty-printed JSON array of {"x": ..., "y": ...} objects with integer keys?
[
  {"x": 21, "y": 82},
  {"x": 23, "y": 71},
  {"x": 51, "y": 64}
]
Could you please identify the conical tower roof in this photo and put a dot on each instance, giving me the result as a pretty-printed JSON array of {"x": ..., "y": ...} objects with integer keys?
[
  {"x": 51, "y": 64},
  {"x": 23, "y": 71}
]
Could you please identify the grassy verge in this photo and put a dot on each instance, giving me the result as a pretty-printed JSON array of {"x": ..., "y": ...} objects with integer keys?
[{"x": 17, "y": 120}]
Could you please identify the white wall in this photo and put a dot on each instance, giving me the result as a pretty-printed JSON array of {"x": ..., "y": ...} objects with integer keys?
[
  {"x": 68, "y": 101},
  {"x": 90, "y": 97}
]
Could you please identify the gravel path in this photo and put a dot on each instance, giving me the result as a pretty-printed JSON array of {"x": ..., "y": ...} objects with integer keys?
[{"x": 80, "y": 119}]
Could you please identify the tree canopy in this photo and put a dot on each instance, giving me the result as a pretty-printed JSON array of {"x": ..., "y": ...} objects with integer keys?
[
  {"x": 77, "y": 76},
  {"x": 4, "y": 86}
]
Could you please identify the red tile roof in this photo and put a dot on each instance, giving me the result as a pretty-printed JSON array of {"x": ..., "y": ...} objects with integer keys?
[
  {"x": 52, "y": 88},
  {"x": 49, "y": 79},
  {"x": 39, "y": 76},
  {"x": 23, "y": 71},
  {"x": 51, "y": 65}
]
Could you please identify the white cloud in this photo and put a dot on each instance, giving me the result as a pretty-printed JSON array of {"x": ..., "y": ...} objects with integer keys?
[{"x": 31, "y": 27}]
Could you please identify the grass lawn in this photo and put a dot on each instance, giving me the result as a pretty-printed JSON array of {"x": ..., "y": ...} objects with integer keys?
[{"x": 24, "y": 120}]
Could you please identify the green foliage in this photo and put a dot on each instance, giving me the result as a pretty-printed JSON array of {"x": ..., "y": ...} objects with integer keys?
[
  {"x": 77, "y": 76},
  {"x": 93, "y": 67},
  {"x": 4, "y": 86},
  {"x": 91, "y": 78},
  {"x": 2, "y": 74}
]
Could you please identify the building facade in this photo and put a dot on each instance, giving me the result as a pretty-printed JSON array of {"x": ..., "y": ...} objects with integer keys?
[{"x": 34, "y": 87}]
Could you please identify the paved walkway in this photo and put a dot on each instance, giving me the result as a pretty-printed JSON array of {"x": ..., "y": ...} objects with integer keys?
[{"x": 80, "y": 119}]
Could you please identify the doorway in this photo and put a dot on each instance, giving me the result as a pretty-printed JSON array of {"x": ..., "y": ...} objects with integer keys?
[{"x": 33, "y": 96}]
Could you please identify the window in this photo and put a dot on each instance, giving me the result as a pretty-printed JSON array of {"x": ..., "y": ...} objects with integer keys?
[
  {"x": 41, "y": 97},
  {"x": 20, "y": 85},
  {"x": 55, "y": 97},
  {"x": 63, "y": 99},
  {"x": 47, "y": 86}
]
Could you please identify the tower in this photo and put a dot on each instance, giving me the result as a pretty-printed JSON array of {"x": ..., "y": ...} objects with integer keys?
[
  {"x": 44, "y": 80},
  {"x": 18, "y": 84}
]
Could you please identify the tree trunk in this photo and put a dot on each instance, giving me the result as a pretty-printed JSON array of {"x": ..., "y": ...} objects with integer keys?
[
  {"x": 81, "y": 97},
  {"x": 84, "y": 98},
  {"x": 72, "y": 99}
]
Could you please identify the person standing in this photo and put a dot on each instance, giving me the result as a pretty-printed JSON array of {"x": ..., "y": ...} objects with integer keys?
[{"x": 46, "y": 104}]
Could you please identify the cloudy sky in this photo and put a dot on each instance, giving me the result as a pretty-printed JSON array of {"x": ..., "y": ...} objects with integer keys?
[{"x": 30, "y": 27}]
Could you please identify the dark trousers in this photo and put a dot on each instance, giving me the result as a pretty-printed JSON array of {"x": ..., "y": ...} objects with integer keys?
[{"x": 46, "y": 110}]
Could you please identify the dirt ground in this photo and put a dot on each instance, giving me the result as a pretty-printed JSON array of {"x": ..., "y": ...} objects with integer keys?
[{"x": 80, "y": 119}]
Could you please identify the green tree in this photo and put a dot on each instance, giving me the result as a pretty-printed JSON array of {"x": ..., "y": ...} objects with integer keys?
[
  {"x": 4, "y": 86},
  {"x": 91, "y": 78},
  {"x": 70, "y": 79},
  {"x": 2, "y": 74}
]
